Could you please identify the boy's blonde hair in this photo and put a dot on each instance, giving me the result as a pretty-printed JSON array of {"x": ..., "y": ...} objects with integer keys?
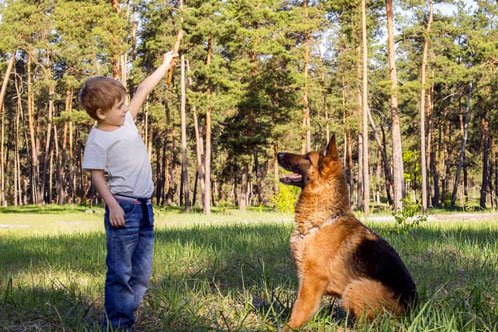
[{"x": 100, "y": 92}]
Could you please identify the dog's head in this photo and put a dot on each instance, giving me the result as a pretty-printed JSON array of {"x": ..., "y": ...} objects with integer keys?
[{"x": 311, "y": 168}]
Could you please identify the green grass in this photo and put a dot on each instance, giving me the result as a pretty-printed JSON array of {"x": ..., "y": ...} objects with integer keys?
[{"x": 230, "y": 272}]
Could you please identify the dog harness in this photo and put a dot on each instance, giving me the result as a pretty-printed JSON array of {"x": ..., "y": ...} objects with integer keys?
[{"x": 331, "y": 220}]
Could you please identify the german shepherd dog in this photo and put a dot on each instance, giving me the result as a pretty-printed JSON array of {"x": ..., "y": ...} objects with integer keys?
[{"x": 334, "y": 253}]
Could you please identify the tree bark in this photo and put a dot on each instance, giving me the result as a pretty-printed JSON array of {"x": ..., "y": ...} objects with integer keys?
[
  {"x": 306, "y": 107},
  {"x": 115, "y": 58},
  {"x": 32, "y": 136},
  {"x": 366, "y": 176},
  {"x": 206, "y": 208},
  {"x": 485, "y": 160},
  {"x": 423, "y": 156},
  {"x": 397, "y": 157},
  {"x": 10, "y": 64},
  {"x": 184, "y": 180}
]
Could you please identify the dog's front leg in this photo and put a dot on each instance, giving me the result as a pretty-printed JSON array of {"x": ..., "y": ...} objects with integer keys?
[{"x": 308, "y": 300}]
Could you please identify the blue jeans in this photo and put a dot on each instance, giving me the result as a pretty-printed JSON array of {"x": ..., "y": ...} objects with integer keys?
[{"x": 129, "y": 262}]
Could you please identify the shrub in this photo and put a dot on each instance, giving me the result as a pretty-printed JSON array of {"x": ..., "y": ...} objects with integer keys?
[
  {"x": 407, "y": 217},
  {"x": 285, "y": 199}
]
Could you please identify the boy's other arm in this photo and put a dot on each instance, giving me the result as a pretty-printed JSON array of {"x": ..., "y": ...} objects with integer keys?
[
  {"x": 149, "y": 84},
  {"x": 116, "y": 213}
]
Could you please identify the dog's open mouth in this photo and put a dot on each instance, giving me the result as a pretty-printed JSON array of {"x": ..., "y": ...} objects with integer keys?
[{"x": 292, "y": 179}]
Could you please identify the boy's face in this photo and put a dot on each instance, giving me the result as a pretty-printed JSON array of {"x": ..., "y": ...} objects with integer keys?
[{"x": 114, "y": 118}]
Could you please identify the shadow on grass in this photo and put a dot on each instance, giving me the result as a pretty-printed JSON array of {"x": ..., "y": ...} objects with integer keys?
[
  {"x": 203, "y": 271},
  {"x": 47, "y": 309}
]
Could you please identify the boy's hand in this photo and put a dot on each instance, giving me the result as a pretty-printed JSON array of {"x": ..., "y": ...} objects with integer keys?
[
  {"x": 116, "y": 216},
  {"x": 168, "y": 57}
]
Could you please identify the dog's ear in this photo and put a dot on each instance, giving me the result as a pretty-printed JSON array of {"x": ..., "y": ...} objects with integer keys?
[{"x": 331, "y": 150}]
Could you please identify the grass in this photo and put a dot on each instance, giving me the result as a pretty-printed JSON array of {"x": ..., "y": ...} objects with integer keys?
[{"x": 231, "y": 272}]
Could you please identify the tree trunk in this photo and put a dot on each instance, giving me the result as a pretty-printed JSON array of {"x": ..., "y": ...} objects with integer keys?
[
  {"x": 423, "y": 156},
  {"x": 18, "y": 190},
  {"x": 171, "y": 189},
  {"x": 32, "y": 136},
  {"x": 115, "y": 58},
  {"x": 430, "y": 144},
  {"x": 434, "y": 157},
  {"x": 461, "y": 156},
  {"x": 185, "y": 183},
  {"x": 398, "y": 169},
  {"x": 485, "y": 159},
  {"x": 46, "y": 173},
  {"x": 206, "y": 208},
  {"x": 306, "y": 107},
  {"x": 366, "y": 176},
  {"x": 5, "y": 81},
  {"x": 359, "y": 184}
]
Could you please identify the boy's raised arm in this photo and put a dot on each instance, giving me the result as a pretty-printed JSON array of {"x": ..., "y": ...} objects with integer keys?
[{"x": 149, "y": 84}]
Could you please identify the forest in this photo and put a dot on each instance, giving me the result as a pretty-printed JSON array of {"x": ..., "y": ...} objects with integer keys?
[{"x": 408, "y": 88}]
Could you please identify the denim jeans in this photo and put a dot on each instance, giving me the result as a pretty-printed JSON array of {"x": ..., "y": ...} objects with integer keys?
[{"x": 129, "y": 263}]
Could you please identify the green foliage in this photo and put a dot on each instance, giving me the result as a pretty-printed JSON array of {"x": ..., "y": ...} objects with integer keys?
[
  {"x": 408, "y": 217},
  {"x": 285, "y": 200}
]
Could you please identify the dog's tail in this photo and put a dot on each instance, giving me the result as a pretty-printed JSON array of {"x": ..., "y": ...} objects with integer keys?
[{"x": 368, "y": 298}]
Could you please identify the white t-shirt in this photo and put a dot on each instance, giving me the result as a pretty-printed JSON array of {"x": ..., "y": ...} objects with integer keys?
[{"x": 122, "y": 154}]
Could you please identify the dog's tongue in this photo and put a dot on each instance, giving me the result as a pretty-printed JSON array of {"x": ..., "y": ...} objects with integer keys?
[{"x": 290, "y": 178}]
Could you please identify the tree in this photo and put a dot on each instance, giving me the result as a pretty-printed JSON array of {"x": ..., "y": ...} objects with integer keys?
[{"x": 397, "y": 155}]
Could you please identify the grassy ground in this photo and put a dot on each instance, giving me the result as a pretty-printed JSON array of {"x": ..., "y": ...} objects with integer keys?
[{"x": 231, "y": 272}]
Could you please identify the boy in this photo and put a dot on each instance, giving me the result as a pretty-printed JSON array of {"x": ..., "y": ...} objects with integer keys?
[{"x": 115, "y": 146}]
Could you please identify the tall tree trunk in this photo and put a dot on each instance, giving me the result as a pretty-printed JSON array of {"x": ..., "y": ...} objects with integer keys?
[
  {"x": 199, "y": 144},
  {"x": 206, "y": 208},
  {"x": 461, "y": 156},
  {"x": 32, "y": 136},
  {"x": 430, "y": 143},
  {"x": 46, "y": 174},
  {"x": 18, "y": 192},
  {"x": 359, "y": 185},
  {"x": 171, "y": 189},
  {"x": 10, "y": 64},
  {"x": 398, "y": 169},
  {"x": 434, "y": 157},
  {"x": 185, "y": 183},
  {"x": 485, "y": 159},
  {"x": 115, "y": 58},
  {"x": 423, "y": 156},
  {"x": 306, "y": 107},
  {"x": 364, "y": 134}
]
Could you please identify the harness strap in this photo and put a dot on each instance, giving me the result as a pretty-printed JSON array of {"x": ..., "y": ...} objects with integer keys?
[{"x": 331, "y": 220}]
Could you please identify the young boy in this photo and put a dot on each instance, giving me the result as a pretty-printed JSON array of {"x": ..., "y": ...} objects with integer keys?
[{"x": 115, "y": 147}]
